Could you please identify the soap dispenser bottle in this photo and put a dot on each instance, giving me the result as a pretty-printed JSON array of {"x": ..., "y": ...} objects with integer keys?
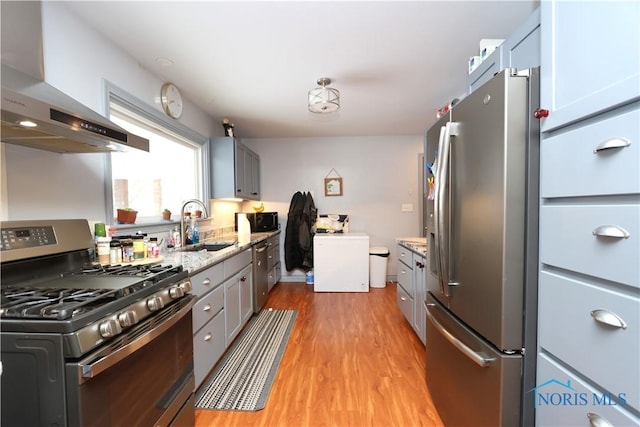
[
  {"x": 195, "y": 231},
  {"x": 177, "y": 241}
]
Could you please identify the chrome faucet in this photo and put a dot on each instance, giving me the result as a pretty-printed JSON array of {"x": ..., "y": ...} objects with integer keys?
[{"x": 182, "y": 225}]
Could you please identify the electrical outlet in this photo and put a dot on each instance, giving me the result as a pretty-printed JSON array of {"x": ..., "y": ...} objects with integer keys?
[{"x": 407, "y": 207}]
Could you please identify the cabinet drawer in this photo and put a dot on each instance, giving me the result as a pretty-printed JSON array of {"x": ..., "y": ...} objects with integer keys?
[
  {"x": 405, "y": 256},
  {"x": 567, "y": 240},
  {"x": 208, "y": 347},
  {"x": 606, "y": 354},
  {"x": 571, "y": 165},
  {"x": 274, "y": 276},
  {"x": 236, "y": 263},
  {"x": 273, "y": 256},
  {"x": 207, "y": 279},
  {"x": 405, "y": 277},
  {"x": 207, "y": 307},
  {"x": 552, "y": 409},
  {"x": 405, "y": 303}
]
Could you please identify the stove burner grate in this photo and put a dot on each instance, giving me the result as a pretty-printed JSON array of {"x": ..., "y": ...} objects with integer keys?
[
  {"x": 58, "y": 304},
  {"x": 130, "y": 270},
  {"x": 66, "y": 302}
]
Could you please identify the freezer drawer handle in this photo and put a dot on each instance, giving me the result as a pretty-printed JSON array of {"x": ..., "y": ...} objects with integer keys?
[
  {"x": 612, "y": 143},
  {"x": 611, "y": 231},
  {"x": 597, "y": 421},
  {"x": 477, "y": 358},
  {"x": 608, "y": 318}
]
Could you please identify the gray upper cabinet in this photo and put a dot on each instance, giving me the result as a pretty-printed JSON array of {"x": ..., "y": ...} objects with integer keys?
[
  {"x": 591, "y": 60},
  {"x": 235, "y": 170},
  {"x": 489, "y": 68},
  {"x": 521, "y": 50},
  {"x": 252, "y": 174}
]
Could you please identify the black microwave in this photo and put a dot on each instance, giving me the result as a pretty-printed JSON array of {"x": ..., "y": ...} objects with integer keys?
[{"x": 260, "y": 221}]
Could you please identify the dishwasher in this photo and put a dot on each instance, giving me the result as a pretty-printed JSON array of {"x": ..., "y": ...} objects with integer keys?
[{"x": 260, "y": 275}]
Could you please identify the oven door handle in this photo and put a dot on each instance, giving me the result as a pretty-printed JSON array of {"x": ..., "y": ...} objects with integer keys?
[{"x": 90, "y": 367}]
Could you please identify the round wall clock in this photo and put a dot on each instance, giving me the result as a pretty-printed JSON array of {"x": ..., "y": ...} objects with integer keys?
[{"x": 171, "y": 100}]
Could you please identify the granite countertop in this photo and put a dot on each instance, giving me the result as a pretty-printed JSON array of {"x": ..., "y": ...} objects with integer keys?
[
  {"x": 194, "y": 261},
  {"x": 414, "y": 244}
]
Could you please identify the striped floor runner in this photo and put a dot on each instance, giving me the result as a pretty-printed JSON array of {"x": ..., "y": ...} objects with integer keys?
[{"x": 244, "y": 376}]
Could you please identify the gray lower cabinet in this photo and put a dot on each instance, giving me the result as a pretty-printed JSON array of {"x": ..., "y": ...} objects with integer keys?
[
  {"x": 419, "y": 296},
  {"x": 405, "y": 289},
  {"x": 589, "y": 279},
  {"x": 273, "y": 260},
  {"x": 412, "y": 289},
  {"x": 238, "y": 294},
  {"x": 246, "y": 294},
  {"x": 224, "y": 306},
  {"x": 232, "y": 319},
  {"x": 208, "y": 320},
  {"x": 208, "y": 346}
]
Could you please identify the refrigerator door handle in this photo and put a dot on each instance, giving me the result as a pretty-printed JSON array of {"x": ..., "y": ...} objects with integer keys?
[
  {"x": 442, "y": 249},
  {"x": 437, "y": 213},
  {"x": 478, "y": 358}
]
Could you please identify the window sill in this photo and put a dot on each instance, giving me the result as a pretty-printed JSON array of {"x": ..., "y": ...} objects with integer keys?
[{"x": 143, "y": 225}]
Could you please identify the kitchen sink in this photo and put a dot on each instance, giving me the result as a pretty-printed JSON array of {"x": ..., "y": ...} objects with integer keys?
[{"x": 209, "y": 247}]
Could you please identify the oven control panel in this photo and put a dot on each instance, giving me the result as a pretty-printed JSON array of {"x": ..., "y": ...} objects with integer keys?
[{"x": 30, "y": 237}]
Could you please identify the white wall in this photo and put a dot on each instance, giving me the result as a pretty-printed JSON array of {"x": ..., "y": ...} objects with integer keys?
[
  {"x": 78, "y": 60},
  {"x": 379, "y": 174}
]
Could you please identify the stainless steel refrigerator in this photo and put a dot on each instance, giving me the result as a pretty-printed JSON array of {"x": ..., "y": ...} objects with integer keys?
[{"x": 482, "y": 233}]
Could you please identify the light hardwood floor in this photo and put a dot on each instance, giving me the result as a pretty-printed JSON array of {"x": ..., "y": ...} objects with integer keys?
[{"x": 352, "y": 360}]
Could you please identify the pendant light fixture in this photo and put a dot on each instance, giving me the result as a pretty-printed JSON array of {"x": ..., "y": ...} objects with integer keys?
[{"x": 324, "y": 99}]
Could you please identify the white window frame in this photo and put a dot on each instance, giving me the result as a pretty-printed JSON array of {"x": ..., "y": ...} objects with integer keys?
[{"x": 114, "y": 94}]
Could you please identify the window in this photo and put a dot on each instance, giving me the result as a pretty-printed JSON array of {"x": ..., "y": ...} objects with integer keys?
[{"x": 170, "y": 173}]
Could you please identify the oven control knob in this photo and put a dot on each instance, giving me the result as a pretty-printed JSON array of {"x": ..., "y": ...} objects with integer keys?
[
  {"x": 110, "y": 328},
  {"x": 155, "y": 303},
  {"x": 186, "y": 286},
  {"x": 176, "y": 292},
  {"x": 128, "y": 318}
]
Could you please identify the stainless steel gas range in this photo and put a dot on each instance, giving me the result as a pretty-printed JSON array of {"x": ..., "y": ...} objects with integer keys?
[{"x": 83, "y": 344}]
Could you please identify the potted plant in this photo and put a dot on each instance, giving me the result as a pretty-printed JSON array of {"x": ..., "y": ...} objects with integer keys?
[
  {"x": 166, "y": 214},
  {"x": 127, "y": 216}
]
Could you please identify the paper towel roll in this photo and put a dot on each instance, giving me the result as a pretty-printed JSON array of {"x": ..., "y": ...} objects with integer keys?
[{"x": 244, "y": 229}]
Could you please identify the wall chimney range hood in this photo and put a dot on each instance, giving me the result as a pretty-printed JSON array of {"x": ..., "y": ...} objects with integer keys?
[{"x": 34, "y": 113}]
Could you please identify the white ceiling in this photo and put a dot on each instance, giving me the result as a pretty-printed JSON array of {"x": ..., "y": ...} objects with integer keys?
[{"x": 395, "y": 63}]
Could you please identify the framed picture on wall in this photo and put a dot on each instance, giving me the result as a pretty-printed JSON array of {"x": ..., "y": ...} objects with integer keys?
[{"x": 333, "y": 186}]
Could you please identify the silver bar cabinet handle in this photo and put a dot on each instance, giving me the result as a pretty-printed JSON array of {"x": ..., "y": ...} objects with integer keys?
[
  {"x": 608, "y": 318},
  {"x": 612, "y": 143},
  {"x": 611, "y": 231},
  {"x": 597, "y": 421}
]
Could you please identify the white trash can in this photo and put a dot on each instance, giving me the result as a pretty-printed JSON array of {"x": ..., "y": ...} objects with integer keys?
[{"x": 378, "y": 258}]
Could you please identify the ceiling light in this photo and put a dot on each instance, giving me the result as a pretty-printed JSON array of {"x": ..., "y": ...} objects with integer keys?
[
  {"x": 164, "y": 62},
  {"x": 324, "y": 99}
]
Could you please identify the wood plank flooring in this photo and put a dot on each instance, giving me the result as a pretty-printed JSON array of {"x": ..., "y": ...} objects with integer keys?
[{"x": 352, "y": 360}]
